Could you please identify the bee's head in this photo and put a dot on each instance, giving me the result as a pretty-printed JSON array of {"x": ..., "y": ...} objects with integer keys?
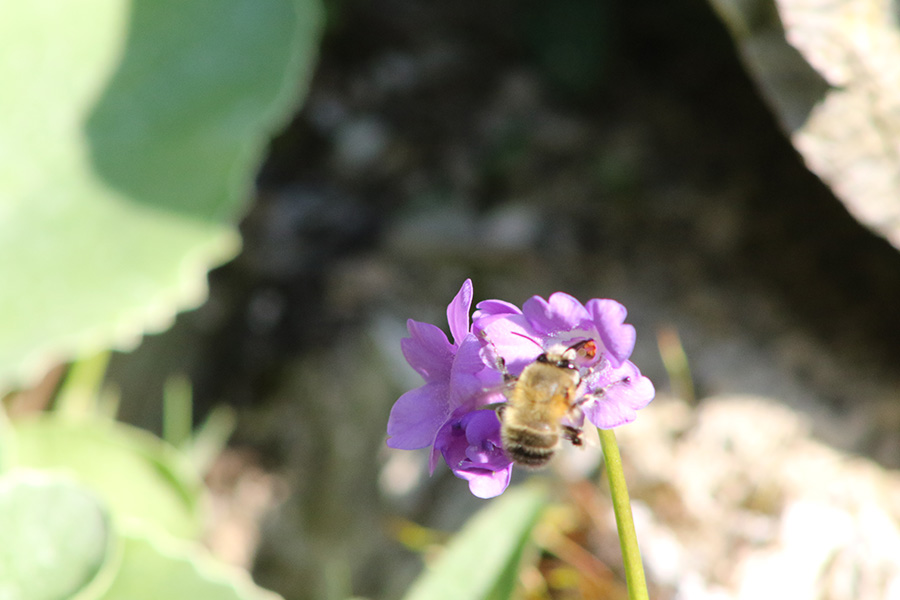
[{"x": 556, "y": 360}]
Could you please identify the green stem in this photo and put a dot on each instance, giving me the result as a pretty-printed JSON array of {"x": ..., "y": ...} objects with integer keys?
[{"x": 631, "y": 554}]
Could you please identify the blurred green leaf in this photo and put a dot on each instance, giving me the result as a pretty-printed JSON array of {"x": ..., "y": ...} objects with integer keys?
[
  {"x": 156, "y": 568},
  {"x": 130, "y": 137},
  {"x": 80, "y": 392},
  {"x": 5, "y": 440},
  {"x": 141, "y": 478},
  {"x": 211, "y": 437},
  {"x": 56, "y": 537},
  {"x": 482, "y": 561},
  {"x": 178, "y": 411}
]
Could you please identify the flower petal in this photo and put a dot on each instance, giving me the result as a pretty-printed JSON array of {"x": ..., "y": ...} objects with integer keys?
[
  {"x": 481, "y": 426},
  {"x": 496, "y": 307},
  {"x": 468, "y": 357},
  {"x": 470, "y": 445},
  {"x": 487, "y": 484},
  {"x": 445, "y": 441},
  {"x": 417, "y": 416},
  {"x": 607, "y": 415},
  {"x": 617, "y": 336},
  {"x": 458, "y": 312},
  {"x": 428, "y": 351},
  {"x": 561, "y": 313},
  {"x": 510, "y": 337},
  {"x": 627, "y": 392},
  {"x": 467, "y": 388}
]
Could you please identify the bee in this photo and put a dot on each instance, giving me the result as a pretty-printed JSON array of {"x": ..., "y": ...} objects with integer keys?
[{"x": 544, "y": 394}]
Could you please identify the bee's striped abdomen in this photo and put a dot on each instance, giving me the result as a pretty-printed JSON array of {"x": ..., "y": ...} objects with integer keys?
[{"x": 529, "y": 447}]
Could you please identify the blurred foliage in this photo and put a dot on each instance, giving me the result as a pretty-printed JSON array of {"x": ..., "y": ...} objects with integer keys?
[
  {"x": 141, "y": 478},
  {"x": 131, "y": 137},
  {"x": 483, "y": 560},
  {"x": 99, "y": 510},
  {"x": 154, "y": 568},
  {"x": 56, "y": 536}
]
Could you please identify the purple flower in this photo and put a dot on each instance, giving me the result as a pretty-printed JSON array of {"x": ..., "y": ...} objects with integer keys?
[
  {"x": 448, "y": 412},
  {"x": 612, "y": 388},
  {"x": 470, "y": 444},
  {"x": 457, "y": 382}
]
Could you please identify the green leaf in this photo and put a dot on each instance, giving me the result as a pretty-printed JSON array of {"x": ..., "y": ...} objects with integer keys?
[
  {"x": 141, "y": 478},
  {"x": 56, "y": 537},
  {"x": 130, "y": 137},
  {"x": 81, "y": 389},
  {"x": 482, "y": 560},
  {"x": 156, "y": 567}
]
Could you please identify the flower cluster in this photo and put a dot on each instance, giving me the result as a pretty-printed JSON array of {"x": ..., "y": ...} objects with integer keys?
[{"x": 477, "y": 368}]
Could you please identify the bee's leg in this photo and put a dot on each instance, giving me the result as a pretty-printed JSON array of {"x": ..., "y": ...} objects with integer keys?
[
  {"x": 599, "y": 394},
  {"x": 507, "y": 376},
  {"x": 498, "y": 361},
  {"x": 573, "y": 434}
]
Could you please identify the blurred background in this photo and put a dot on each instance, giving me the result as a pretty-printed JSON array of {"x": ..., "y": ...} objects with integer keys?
[{"x": 607, "y": 149}]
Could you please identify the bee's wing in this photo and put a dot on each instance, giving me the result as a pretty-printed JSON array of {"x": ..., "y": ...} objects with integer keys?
[{"x": 497, "y": 393}]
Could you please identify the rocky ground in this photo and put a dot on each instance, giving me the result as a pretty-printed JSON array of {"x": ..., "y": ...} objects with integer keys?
[{"x": 607, "y": 150}]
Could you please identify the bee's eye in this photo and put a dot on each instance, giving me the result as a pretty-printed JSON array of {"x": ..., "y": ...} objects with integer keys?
[
  {"x": 565, "y": 363},
  {"x": 542, "y": 358}
]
